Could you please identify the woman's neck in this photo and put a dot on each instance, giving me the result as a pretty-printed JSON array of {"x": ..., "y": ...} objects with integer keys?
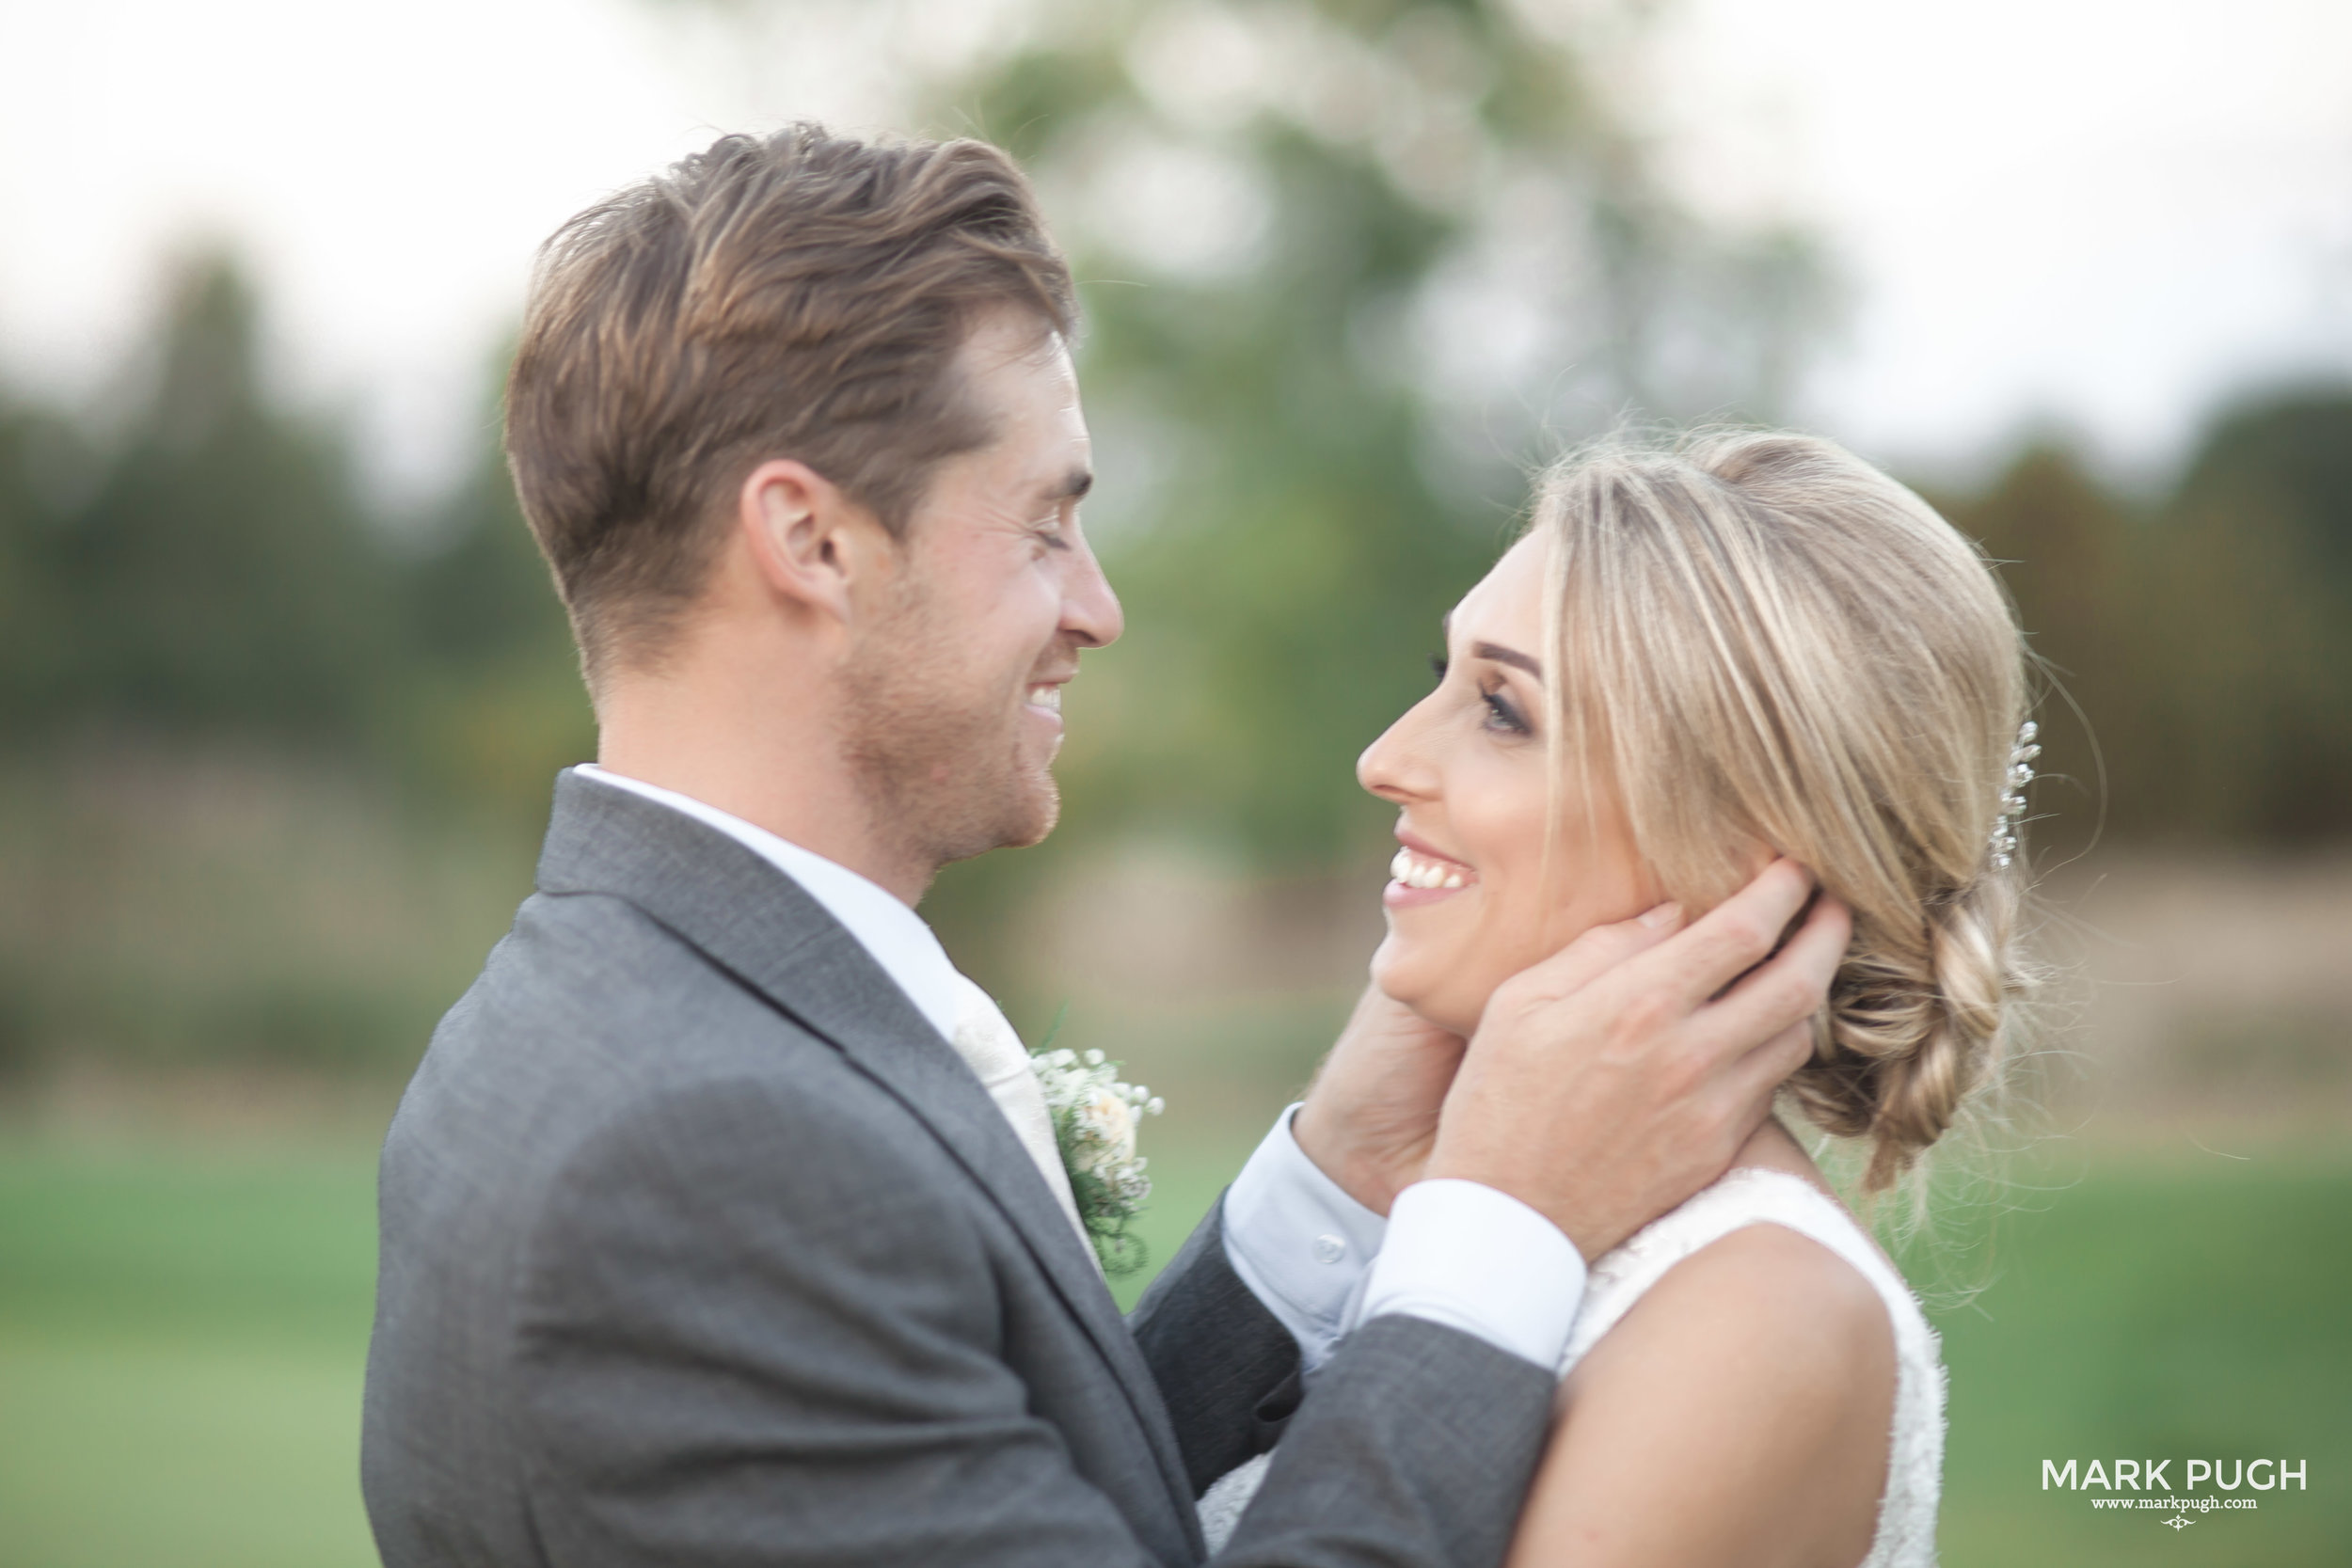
[{"x": 1772, "y": 1147}]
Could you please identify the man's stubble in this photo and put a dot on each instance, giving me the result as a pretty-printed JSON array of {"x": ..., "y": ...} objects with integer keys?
[{"x": 934, "y": 744}]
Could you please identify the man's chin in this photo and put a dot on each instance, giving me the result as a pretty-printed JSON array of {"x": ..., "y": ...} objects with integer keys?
[
  {"x": 1023, "y": 823},
  {"x": 1043, "y": 812}
]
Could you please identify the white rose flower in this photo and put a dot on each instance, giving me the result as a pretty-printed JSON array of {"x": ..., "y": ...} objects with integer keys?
[{"x": 1107, "y": 1124}]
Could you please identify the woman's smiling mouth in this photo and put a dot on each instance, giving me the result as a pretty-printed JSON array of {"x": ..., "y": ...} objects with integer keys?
[
  {"x": 1418, "y": 875},
  {"x": 1421, "y": 872}
]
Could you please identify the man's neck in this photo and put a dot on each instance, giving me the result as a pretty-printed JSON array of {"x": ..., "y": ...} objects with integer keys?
[{"x": 779, "y": 771}]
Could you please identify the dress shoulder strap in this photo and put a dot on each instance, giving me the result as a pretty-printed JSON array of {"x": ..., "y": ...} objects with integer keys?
[{"x": 1749, "y": 1196}]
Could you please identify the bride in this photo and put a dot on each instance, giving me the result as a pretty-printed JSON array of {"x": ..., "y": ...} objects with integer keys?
[{"x": 1695, "y": 660}]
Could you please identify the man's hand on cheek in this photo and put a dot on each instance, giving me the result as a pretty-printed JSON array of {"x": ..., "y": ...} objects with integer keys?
[
  {"x": 1371, "y": 1116},
  {"x": 1616, "y": 1078}
]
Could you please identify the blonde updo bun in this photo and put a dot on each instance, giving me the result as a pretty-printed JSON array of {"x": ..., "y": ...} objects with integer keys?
[{"x": 1766, "y": 645}]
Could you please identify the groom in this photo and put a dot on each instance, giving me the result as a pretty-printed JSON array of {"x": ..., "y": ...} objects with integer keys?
[{"x": 722, "y": 1222}]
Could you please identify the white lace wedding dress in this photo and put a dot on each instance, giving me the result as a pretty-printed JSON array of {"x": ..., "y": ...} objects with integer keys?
[{"x": 1906, "y": 1527}]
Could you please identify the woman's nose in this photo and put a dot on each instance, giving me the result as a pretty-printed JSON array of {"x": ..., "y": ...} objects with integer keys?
[{"x": 1395, "y": 767}]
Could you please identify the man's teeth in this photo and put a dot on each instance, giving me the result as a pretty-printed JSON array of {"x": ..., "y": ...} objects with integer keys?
[
  {"x": 1413, "y": 871},
  {"x": 1047, "y": 697}
]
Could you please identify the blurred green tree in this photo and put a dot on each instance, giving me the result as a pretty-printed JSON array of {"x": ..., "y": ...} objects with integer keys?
[
  {"x": 2072, "y": 556},
  {"x": 2255, "y": 598},
  {"x": 207, "y": 563},
  {"x": 250, "y": 720},
  {"x": 43, "y": 461},
  {"x": 2206, "y": 636},
  {"x": 219, "y": 573}
]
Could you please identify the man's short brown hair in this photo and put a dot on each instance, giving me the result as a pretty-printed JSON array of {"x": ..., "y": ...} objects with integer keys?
[{"x": 797, "y": 295}]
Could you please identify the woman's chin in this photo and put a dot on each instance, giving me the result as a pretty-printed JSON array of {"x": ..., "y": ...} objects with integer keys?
[
  {"x": 1392, "y": 970},
  {"x": 1421, "y": 989}
]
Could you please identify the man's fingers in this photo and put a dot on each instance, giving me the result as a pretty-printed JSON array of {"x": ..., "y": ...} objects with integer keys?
[
  {"x": 1731, "y": 938},
  {"x": 1755, "y": 1076},
  {"x": 1599, "y": 950},
  {"x": 1791, "y": 986}
]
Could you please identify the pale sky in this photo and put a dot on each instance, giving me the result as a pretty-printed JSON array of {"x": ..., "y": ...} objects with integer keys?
[{"x": 2103, "y": 214}]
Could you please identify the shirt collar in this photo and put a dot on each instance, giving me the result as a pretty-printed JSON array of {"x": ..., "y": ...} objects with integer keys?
[{"x": 894, "y": 935}]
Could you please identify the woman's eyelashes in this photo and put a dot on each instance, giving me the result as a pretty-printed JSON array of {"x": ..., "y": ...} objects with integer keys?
[{"x": 1502, "y": 715}]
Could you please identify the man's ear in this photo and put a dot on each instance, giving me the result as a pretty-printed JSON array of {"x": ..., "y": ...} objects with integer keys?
[{"x": 810, "y": 544}]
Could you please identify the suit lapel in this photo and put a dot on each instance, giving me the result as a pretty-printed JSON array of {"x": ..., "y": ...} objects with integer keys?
[{"x": 758, "y": 924}]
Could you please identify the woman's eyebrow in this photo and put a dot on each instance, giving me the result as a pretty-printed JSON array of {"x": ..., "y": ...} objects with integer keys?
[{"x": 1511, "y": 656}]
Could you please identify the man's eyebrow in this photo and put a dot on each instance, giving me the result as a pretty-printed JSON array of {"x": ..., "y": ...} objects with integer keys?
[
  {"x": 1511, "y": 656},
  {"x": 1072, "y": 486}
]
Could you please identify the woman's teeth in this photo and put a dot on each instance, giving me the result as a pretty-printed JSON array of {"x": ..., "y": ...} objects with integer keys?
[
  {"x": 1413, "y": 871},
  {"x": 1046, "y": 697}
]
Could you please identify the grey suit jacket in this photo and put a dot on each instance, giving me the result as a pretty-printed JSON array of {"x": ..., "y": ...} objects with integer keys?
[{"x": 700, "y": 1246}]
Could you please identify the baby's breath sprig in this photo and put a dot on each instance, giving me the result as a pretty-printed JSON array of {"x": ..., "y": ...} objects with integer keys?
[{"x": 1094, "y": 1125}]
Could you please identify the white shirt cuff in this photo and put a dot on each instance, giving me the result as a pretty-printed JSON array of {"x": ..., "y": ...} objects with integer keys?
[
  {"x": 1467, "y": 1256},
  {"x": 1298, "y": 1240}
]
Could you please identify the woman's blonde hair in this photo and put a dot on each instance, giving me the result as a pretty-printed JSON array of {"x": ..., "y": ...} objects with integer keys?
[{"x": 1763, "y": 643}]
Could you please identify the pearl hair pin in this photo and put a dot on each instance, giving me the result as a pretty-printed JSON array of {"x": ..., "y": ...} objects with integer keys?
[{"x": 2020, "y": 774}]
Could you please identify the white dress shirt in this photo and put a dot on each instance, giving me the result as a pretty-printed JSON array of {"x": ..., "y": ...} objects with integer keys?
[{"x": 1453, "y": 1252}]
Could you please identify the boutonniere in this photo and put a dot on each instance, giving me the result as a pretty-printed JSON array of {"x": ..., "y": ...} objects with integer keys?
[{"x": 1094, "y": 1127}]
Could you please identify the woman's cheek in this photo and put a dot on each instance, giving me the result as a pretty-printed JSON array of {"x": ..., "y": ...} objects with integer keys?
[{"x": 1509, "y": 937}]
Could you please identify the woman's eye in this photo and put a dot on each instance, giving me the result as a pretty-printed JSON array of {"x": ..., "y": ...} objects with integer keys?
[
  {"x": 1438, "y": 665},
  {"x": 1502, "y": 716}
]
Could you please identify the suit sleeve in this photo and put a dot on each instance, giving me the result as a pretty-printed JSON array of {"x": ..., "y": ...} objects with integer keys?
[
  {"x": 1419, "y": 1436},
  {"x": 745, "y": 1337},
  {"x": 1227, "y": 1368}
]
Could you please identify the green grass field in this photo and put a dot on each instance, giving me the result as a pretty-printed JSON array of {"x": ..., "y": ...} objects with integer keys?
[
  {"x": 181, "y": 1338},
  {"x": 2177, "y": 1308}
]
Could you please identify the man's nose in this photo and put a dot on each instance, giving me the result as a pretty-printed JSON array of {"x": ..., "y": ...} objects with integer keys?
[{"x": 1090, "y": 610}]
